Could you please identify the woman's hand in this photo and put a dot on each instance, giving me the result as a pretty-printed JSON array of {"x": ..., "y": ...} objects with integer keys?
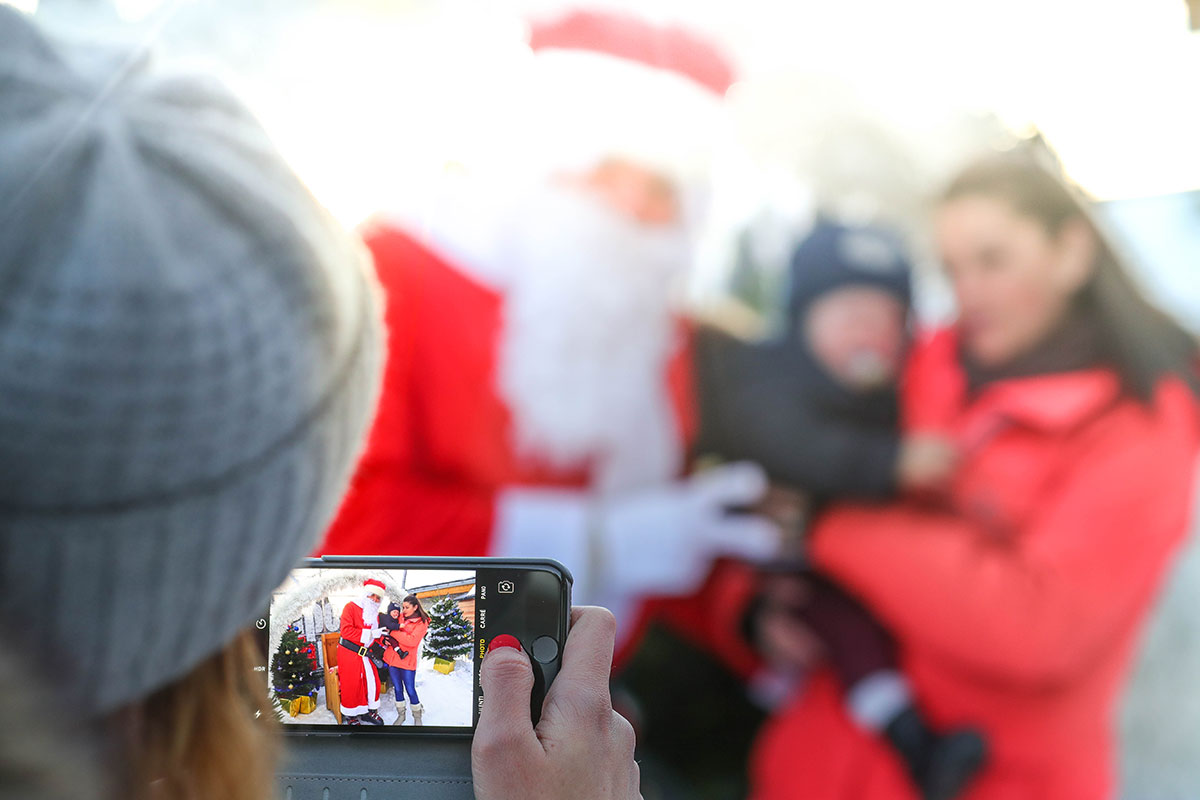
[
  {"x": 927, "y": 462},
  {"x": 581, "y": 748}
]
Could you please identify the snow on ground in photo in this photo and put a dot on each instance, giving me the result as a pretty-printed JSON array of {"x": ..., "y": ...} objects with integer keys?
[{"x": 446, "y": 699}]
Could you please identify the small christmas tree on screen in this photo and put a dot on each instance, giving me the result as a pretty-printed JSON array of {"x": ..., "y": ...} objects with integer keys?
[
  {"x": 294, "y": 670},
  {"x": 449, "y": 631}
]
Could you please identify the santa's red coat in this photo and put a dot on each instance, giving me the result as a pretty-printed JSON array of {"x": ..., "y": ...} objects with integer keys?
[
  {"x": 358, "y": 682},
  {"x": 1017, "y": 609},
  {"x": 441, "y": 446}
]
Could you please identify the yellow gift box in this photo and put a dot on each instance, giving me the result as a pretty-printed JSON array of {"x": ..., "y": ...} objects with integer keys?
[{"x": 301, "y": 705}]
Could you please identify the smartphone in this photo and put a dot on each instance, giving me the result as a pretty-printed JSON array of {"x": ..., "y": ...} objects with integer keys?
[{"x": 339, "y": 663}]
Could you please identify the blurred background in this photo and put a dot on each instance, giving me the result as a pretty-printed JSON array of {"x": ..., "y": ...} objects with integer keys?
[
  {"x": 868, "y": 105},
  {"x": 863, "y": 108}
]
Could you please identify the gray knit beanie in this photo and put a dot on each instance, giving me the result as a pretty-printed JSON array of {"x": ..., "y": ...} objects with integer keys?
[{"x": 189, "y": 357}]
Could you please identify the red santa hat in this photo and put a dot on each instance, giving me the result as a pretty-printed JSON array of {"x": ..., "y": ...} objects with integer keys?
[
  {"x": 375, "y": 587},
  {"x": 614, "y": 85}
]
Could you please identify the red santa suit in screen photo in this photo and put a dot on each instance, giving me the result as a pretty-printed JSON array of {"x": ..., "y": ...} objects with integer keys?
[
  {"x": 538, "y": 397},
  {"x": 358, "y": 681}
]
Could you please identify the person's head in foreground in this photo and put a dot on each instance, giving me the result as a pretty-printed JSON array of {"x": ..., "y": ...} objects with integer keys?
[
  {"x": 1035, "y": 280},
  {"x": 190, "y": 353}
]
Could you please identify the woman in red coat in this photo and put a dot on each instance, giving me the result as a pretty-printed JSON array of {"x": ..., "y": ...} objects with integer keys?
[
  {"x": 1017, "y": 593},
  {"x": 401, "y": 654}
]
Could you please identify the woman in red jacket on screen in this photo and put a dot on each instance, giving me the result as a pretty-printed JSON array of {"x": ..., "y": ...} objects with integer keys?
[
  {"x": 411, "y": 622},
  {"x": 1016, "y": 592}
]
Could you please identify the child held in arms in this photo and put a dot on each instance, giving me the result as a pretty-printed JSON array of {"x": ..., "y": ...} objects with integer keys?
[
  {"x": 406, "y": 624},
  {"x": 817, "y": 407}
]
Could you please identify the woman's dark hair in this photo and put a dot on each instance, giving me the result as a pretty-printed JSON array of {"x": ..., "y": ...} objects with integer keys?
[
  {"x": 1143, "y": 343},
  {"x": 412, "y": 600}
]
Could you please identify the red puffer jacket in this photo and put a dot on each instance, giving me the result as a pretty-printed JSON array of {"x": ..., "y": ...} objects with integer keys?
[
  {"x": 408, "y": 636},
  {"x": 1018, "y": 605}
]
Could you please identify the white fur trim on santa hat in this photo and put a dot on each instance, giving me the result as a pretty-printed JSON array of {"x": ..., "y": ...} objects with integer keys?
[
  {"x": 371, "y": 583},
  {"x": 587, "y": 106}
]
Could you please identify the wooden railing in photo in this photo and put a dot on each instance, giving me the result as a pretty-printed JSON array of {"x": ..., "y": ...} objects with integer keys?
[{"x": 333, "y": 701}]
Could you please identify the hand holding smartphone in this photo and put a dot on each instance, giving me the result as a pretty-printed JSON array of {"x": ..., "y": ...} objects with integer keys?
[
  {"x": 535, "y": 737},
  {"x": 580, "y": 749}
]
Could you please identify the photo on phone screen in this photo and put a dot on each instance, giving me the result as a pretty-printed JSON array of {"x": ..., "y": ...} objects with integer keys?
[{"x": 391, "y": 647}]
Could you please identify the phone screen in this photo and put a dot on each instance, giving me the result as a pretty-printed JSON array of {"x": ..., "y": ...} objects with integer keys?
[{"x": 393, "y": 646}]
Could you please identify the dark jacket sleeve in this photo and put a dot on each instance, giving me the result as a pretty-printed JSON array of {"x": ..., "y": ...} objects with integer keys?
[
  {"x": 750, "y": 410},
  {"x": 822, "y": 456}
]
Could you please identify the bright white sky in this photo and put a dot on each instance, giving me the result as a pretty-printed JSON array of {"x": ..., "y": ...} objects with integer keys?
[{"x": 1112, "y": 83}]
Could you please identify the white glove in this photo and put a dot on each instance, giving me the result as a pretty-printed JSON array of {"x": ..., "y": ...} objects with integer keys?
[
  {"x": 658, "y": 541},
  {"x": 664, "y": 540},
  {"x": 377, "y": 633}
]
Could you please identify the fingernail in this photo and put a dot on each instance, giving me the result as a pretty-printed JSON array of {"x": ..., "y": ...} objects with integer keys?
[{"x": 504, "y": 640}]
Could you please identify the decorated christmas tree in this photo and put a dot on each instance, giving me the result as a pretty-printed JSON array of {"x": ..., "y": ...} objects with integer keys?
[
  {"x": 294, "y": 671},
  {"x": 449, "y": 631}
]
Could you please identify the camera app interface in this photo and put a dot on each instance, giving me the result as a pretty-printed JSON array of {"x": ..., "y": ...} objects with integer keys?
[
  {"x": 381, "y": 648},
  {"x": 374, "y": 647}
]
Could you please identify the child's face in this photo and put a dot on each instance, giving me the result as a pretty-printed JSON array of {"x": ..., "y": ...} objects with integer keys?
[
  {"x": 395, "y": 612},
  {"x": 857, "y": 333}
]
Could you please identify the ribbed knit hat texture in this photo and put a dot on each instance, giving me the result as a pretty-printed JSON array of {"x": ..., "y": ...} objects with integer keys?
[{"x": 189, "y": 357}]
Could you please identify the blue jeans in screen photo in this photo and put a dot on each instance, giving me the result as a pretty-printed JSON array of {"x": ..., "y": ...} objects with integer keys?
[{"x": 404, "y": 679}]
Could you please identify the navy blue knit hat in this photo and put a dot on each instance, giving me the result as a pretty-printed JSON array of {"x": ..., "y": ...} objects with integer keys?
[{"x": 834, "y": 255}]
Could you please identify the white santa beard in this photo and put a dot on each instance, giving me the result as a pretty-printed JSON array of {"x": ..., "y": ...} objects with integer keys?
[
  {"x": 370, "y": 613},
  {"x": 587, "y": 335}
]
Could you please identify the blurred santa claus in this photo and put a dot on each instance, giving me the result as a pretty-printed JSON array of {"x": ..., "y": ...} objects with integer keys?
[{"x": 538, "y": 399}]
